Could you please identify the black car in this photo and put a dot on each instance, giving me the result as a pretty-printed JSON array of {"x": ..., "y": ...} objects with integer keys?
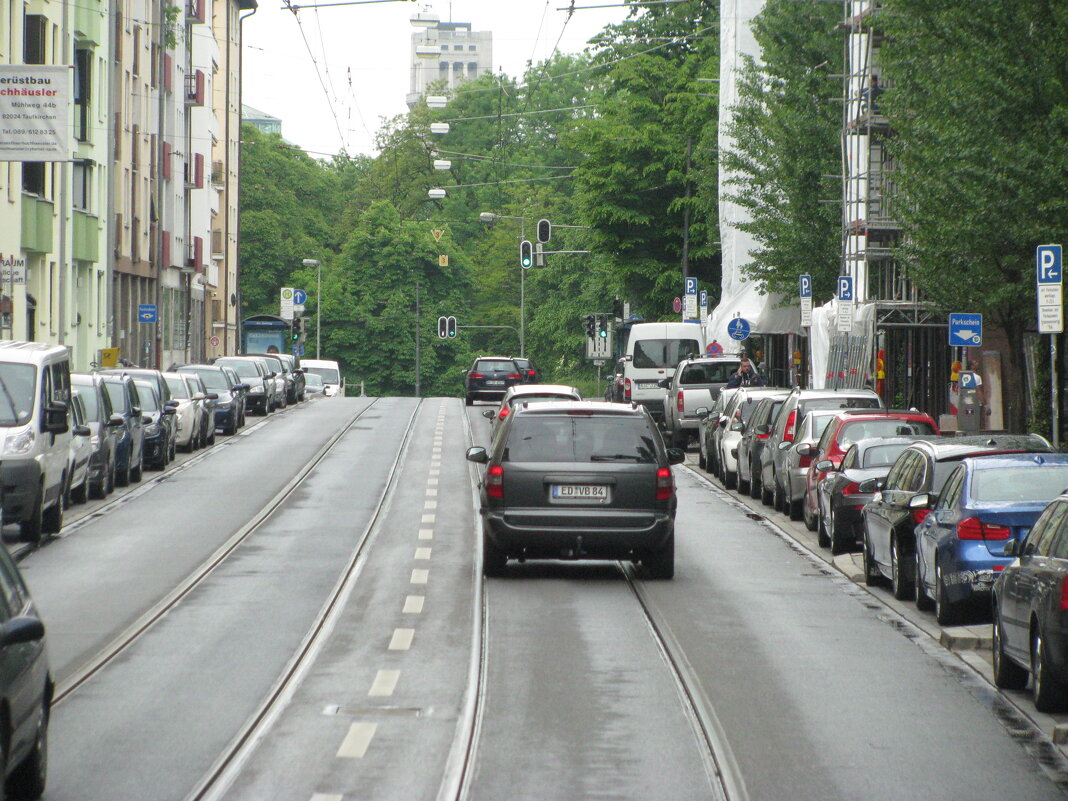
[
  {"x": 125, "y": 402},
  {"x": 578, "y": 480},
  {"x": 106, "y": 431},
  {"x": 157, "y": 431},
  {"x": 252, "y": 371},
  {"x": 489, "y": 377},
  {"x": 1030, "y": 632},
  {"x": 754, "y": 438},
  {"x": 530, "y": 373},
  {"x": 163, "y": 392},
  {"x": 230, "y": 403},
  {"x": 921, "y": 469}
]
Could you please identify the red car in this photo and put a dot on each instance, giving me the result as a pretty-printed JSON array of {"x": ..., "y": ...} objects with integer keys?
[{"x": 846, "y": 428}]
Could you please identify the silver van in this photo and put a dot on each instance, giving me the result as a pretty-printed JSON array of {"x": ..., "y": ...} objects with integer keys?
[{"x": 35, "y": 426}]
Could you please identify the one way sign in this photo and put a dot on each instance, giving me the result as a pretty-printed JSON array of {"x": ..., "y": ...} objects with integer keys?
[{"x": 965, "y": 330}]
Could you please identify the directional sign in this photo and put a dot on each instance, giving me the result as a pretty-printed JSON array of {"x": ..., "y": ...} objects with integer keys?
[
  {"x": 1049, "y": 277},
  {"x": 691, "y": 286},
  {"x": 147, "y": 313},
  {"x": 965, "y": 330},
  {"x": 738, "y": 329},
  {"x": 1048, "y": 264},
  {"x": 689, "y": 306},
  {"x": 845, "y": 304},
  {"x": 300, "y": 297},
  {"x": 806, "y": 301},
  {"x": 845, "y": 288}
]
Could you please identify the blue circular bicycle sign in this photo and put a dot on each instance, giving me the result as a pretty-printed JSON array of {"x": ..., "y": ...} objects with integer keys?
[{"x": 738, "y": 329}]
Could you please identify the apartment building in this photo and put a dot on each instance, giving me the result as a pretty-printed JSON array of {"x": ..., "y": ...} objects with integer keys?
[{"x": 446, "y": 52}]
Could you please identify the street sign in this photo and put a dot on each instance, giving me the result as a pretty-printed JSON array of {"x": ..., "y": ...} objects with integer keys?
[
  {"x": 214, "y": 342},
  {"x": 147, "y": 313},
  {"x": 806, "y": 301},
  {"x": 845, "y": 304},
  {"x": 738, "y": 329},
  {"x": 967, "y": 380},
  {"x": 1049, "y": 276},
  {"x": 437, "y": 232},
  {"x": 443, "y": 260},
  {"x": 286, "y": 297},
  {"x": 691, "y": 286},
  {"x": 300, "y": 297},
  {"x": 845, "y": 288},
  {"x": 702, "y": 299},
  {"x": 965, "y": 330},
  {"x": 676, "y": 304}
]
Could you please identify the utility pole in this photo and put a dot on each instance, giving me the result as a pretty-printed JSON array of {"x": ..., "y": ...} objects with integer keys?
[
  {"x": 686, "y": 215},
  {"x": 417, "y": 340}
]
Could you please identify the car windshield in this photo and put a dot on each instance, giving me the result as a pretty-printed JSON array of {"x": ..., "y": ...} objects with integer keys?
[
  {"x": 147, "y": 396},
  {"x": 489, "y": 365},
  {"x": 244, "y": 369},
  {"x": 819, "y": 423},
  {"x": 313, "y": 380},
  {"x": 117, "y": 394},
  {"x": 664, "y": 352},
  {"x": 1026, "y": 483},
  {"x": 882, "y": 455},
  {"x": 213, "y": 379},
  {"x": 16, "y": 393},
  {"x": 717, "y": 373},
  {"x": 328, "y": 374},
  {"x": 863, "y": 429},
  {"x": 179, "y": 390},
  {"x": 574, "y": 438},
  {"x": 540, "y": 396}
]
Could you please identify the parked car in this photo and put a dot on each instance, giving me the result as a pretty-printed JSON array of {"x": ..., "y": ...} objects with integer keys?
[
  {"x": 530, "y": 373},
  {"x": 81, "y": 450},
  {"x": 525, "y": 393},
  {"x": 613, "y": 392},
  {"x": 126, "y": 403},
  {"x": 712, "y": 421},
  {"x": 489, "y": 377},
  {"x": 189, "y": 412},
  {"x": 330, "y": 371},
  {"x": 797, "y": 459},
  {"x": 724, "y": 443},
  {"x": 695, "y": 384},
  {"x": 163, "y": 392},
  {"x": 851, "y": 426},
  {"x": 314, "y": 386},
  {"x": 208, "y": 401},
  {"x": 779, "y": 489},
  {"x": 154, "y": 414},
  {"x": 890, "y": 519},
  {"x": 985, "y": 502},
  {"x": 26, "y": 686},
  {"x": 284, "y": 381},
  {"x": 1030, "y": 631},
  {"x": 253, "y": 372},
  {"x": 578, "y": 480},
  {"x": 229, "y": 413},
  {"x": 839, "y": 500},
  {"x": 297, "y": 372},
  {"x": 34, "y": 421},
  {"x": 105, "y": 431},
  {"x": 754, "y": 438}
]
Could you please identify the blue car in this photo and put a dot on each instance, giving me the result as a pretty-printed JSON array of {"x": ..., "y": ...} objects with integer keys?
[{"x": 984, "y": 502}]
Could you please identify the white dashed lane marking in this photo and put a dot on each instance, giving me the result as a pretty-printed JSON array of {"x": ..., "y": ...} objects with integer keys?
[
  {"x": 327, "y": 797},
  {"x": 401, "y": 639},
  {"x": 355, "y": 744},
  {"x": 420, "y": 576},
  {"x": 384, "y": 684},
  {"x": 430, "y": 505},
  {"x": 427, "y": 519},
  {"x": 431, "y": 492},
  {"x": 413, "y": 604},
  {"x": 426, "y": 534},
  {"x": 422, "y": 553},
  {"x": 432, "y": 482}
]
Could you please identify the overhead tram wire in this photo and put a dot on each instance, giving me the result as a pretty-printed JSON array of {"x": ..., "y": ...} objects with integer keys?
[
  {"x": 479, "y": 157},
  {"x": 311, "y": 55},
  {"x": 521, "y": 113}
]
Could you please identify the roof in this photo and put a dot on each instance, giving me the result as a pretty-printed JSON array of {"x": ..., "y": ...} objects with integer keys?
[
  {"x": 1017, "y": 459},
  {"x": 871, "y": 442},
  {"x": 894, "y": 413},
  {"x": 536, "y": 389},
  {"x": 944, "y": 448},
  {"x": 587, "y": 407},
  {"x": 834, "y": 393}
]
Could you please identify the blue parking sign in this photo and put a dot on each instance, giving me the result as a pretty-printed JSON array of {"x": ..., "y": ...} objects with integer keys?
[{"x": 845, "y": 288}]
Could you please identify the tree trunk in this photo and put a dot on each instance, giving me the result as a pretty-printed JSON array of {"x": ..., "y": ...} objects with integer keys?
[{"x": 1014, "y": 390}]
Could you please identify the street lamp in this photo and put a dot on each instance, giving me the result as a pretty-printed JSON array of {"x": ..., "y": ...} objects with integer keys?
[
  {"x": 490, "y": 217},
  {"x": 318, "y": 300}
]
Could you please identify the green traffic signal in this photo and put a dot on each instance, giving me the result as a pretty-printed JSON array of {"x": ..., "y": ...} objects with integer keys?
[{"x": 526, "y": 254}]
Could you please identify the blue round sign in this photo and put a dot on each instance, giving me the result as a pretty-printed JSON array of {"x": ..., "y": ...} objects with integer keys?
[
  {"x": 300, "y": 297},
  {"x": 738, "y": 329}
]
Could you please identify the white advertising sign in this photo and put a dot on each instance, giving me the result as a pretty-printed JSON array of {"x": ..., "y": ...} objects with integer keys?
[
  {"x": 12, "y": 270},
  {"x": 35, "y": 104}
]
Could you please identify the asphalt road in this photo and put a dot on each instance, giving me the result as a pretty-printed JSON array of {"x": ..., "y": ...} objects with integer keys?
[{"x": 819, "y": 690}]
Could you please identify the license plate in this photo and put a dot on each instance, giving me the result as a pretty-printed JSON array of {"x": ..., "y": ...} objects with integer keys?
[
  {"x": 648, "y": 385},
  {"x": 587, "y": 492},
  {"x": 494, "y": 383}
]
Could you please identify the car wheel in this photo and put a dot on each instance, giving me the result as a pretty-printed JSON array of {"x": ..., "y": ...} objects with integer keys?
[
  {"x": 838, "y": 540},
  {"x": 98, "y": 490},
  {"x": 493, "y": 558},
  {"x": 1049, "y": 693},
  {"x": 27, "y": 780},
  {"x": 1007, "y": 674},
  {"x": 793, "y": 508},
  {"x": 872, "y": 576},
  {"x": 766, "y": 496},
  {"x": 947, "y": 613},
  {"x": 30, "y": 528},
  {"x": 899, "y": 582},
  {"x": 755, "y": 490},
  {"x": 122, "y": 478},
  {"x": 137, "y": 473},
  {"x": 109, "y": 487},
  {"x": 776, "y": 494},
  {"x": 743, "y": 485},
  {"x": 730, "y": 478},
  {"x": 661, "y": 564},
  {"x": 701, "y": 461},
  {"x": 52, "y": 519},
  {"x": 821, "y": 528},
  {"x": 806, "y": 515},
  {"x": 65, "y": 495},
  {"x": 81, "y": 494},
  {"x": 919, "y": 591}
]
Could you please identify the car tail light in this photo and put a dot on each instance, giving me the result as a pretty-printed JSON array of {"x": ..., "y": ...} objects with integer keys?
[
  {"x": 626, "y": 389},
  {"x": 852, "y": 488},
  {"x": 764, "y": 435},
  {"x": 791, "y": 422},
  {"x": 475, "y": 375},
  {"x": 1064, "y": 593},
  {"x": 678, "y": 402},
  {"x": 503, "y": 413},
  {"x": 495, "y": 482},
  {"x": 972, "y": 528},
  {"x": 665, "y": 485},
  {"x": 531, "y": 373},
  {"x": 919, "y": 515},
  {"x": 514, "y": 376}
]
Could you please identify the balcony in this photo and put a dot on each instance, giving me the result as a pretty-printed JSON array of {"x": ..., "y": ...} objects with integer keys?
[
  {"x": 194, "y": 89},
  {"x": 87, "y": 23},
  {"x": 218, "y": 173},
  {"x": 86, "y": 237},
  {"x": 37, "y": 216},
  {"x": 217, "y": 251},
  {"x": 197, "y": 11},
  {"x": 194, "y": 256}
]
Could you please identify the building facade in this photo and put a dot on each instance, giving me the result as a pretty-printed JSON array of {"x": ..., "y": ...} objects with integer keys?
[{"x": 446, "y": 52}]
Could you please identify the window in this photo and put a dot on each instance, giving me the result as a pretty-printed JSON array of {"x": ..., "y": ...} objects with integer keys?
[
  {"x": 137, "y": 50},
  {"x": 849, "y": 461},
  {"x": 83, "y": 82},
  {"x": 1041, "y": 537},
  {"x": 863, "y": 429},
  {"x": 951, "y": 491},
  {"x": 33, "y": 178},
  {"x": 895, "y": 479},
  {"x": 16, "y": 405},
  {"x": 707, "y": 373},
  {"x": 553, "y": 438},
  {"x": 882, "y": 455},
  {"x": 83, "y": 185},
  {"x": 1059, "y": 546},
  {"x": 1018, "y": 484},
  {"x": 457, "y": 47},
  {"x": 34, "y": 46},
  {"x": 653, "y": 353},
  {"x": 472, "y": 48}
]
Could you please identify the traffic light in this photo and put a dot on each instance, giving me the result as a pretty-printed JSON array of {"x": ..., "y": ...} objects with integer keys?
[
  {"x": 450, "y": 326},
  {"x": 589, "y": 325},
  {"x": 602, "y": 326},
  {"x": 545, "y": 231},
  {"x": 443, "y": 327},
  {"x": 298, "y": 328},
  {"x": 617, "y": 308},
  {"x": 526, "y": 254}
]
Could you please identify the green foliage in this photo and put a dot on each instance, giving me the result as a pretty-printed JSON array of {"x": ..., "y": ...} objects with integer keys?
[{"x": 786, "y": 132}]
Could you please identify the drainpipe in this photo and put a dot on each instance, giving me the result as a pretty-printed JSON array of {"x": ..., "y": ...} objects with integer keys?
[{"x": 237, "y": 250}]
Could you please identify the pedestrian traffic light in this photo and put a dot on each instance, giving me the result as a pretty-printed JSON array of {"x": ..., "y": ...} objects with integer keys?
[
  {"x": 545, "y": 231},
  {"x": 526, "y": 254},
  {"x": 450, "y": 326},
  {"x": 589, "y": 325},
  {"x": 443, "y": 327},
  {"x": 602, "y": 326}
]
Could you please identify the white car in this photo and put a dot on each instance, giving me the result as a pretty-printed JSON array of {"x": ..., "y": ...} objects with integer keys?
[
  {"x": 521, "y": 393},
  {"x": 189, "y": 412},
  {"x": 81, "y": 451}
]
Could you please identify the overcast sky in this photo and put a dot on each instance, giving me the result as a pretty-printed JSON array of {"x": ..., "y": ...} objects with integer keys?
[{"x": 363, "y": 57}]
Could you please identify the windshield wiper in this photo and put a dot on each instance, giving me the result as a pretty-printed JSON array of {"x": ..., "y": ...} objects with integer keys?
[{"x": 612, "y": 457}]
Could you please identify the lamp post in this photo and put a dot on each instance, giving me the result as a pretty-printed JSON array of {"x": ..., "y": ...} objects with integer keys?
[
  {"x": 489, "y": 217},
  {"x": 318, "y": 300}
]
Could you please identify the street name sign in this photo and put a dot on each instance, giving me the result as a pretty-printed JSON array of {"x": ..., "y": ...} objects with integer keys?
[
  {"x": 965, "y": 330},
  {"x": 1049, "y": 278}
]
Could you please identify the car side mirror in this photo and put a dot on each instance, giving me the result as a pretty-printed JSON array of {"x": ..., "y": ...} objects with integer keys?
[
  {"x": 170, "y": 410},
  {"x": 477, "y": 453},
  {"x": 243, "y": 387},
  {"x": 763, "y": 428},
  {"x": 115, "y": 421},
  {"x": 146, "y": 419},
  {"x": 825, "y": 466},
  {"x": 676, "y": 455},
  {"x": 1012, "y": 548},
  {"x": 784, "y": 445},
  {"x": 921, "y": 500},
  {"x": 489, "y": 414},
  {"x": 171, "y": 404},
  {"x": 82, "y": 431},
  {"x": 21, "y": 630},
  {"x": 212, "y": 396},
  {"x": 55, "y": 418},
  {"x": 702, "y": 412},
  {"x": 135, "y": 411},
  {"x": 738, "y": 425},
  {"x": 870, "y": 486},
  {"x": 723, "y": 420},
  {"x": 804, "y": 449}
]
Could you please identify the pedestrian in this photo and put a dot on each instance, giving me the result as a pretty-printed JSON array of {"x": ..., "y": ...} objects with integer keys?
[{"x": 745, "y": 376}]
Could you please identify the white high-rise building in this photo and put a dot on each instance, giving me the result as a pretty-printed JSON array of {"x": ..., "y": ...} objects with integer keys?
[{"x": 449, "y": 52}]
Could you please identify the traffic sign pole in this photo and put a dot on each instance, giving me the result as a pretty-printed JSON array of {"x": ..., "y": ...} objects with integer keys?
[{"x": 1049, "y": 278}]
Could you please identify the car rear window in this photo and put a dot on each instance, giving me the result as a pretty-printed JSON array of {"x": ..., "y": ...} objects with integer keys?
[
  {"x": 863, "y": 429},
  {"x": 575, "y": 438},
  {"x": 213, "y": 379},
  {"x": 1024, "y": 483},
  {"x": 244, "y": 369},
  {"x": 541, "y": 396},
  {"x": 836, "y": 403},
  {"x": 882, "y": 455},
  {"x": 495, "y": 364},
  {"x": 719, "y": 373},
  {"x": 664, "y": 352}
]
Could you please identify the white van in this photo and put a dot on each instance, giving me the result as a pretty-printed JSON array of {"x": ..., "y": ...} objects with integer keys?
[
  {"x": 327, "y": 370},
  {"x": 35, "y": 430},
  {"x": 654, "y": 350}
]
